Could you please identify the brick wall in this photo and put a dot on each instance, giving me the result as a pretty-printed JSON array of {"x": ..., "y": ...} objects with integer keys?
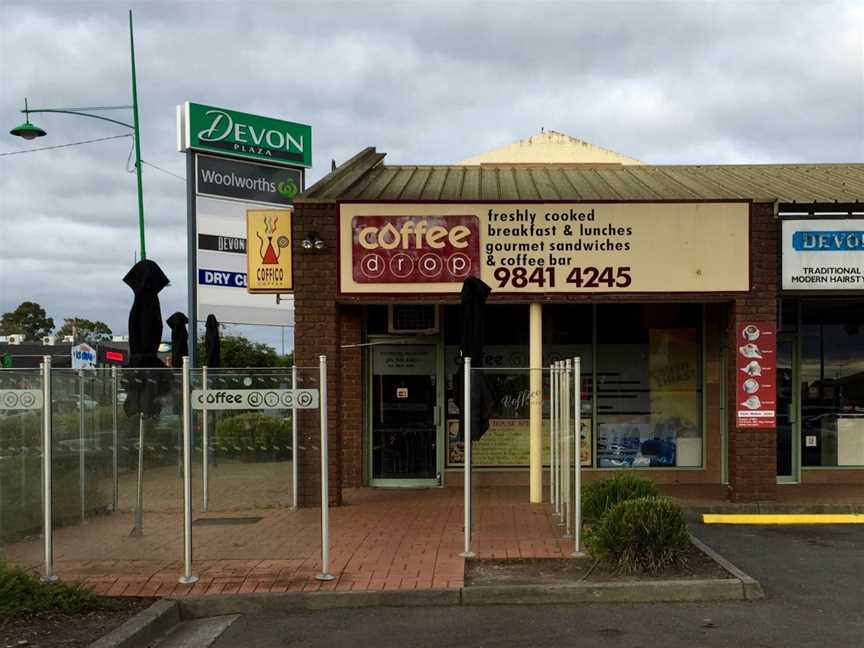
[{"x": 753, "y": 452}]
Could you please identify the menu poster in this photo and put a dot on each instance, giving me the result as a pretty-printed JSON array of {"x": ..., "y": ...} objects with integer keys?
[{"x": 756, "y": 372}]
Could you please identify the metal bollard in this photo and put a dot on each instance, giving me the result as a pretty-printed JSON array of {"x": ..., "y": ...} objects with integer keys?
[
  {"x": 325, "y": 574},
  {"x": 577, "y": 468},
  {"x": 187, "y": 578},
  {"x": 48, "y": 520}
]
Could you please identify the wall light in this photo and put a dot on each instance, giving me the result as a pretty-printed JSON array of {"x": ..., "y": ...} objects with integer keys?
[{"x": 313, "y": 242}]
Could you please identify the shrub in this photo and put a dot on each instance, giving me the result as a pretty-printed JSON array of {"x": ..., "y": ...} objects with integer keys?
[
  {"x": 22, "y": 594},
  {"x": 599, "y": 497},
  {"x": 645, "y": 534},
  {"x": 254, "y": 433}
]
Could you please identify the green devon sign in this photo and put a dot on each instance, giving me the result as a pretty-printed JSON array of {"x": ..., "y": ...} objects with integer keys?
[{"x": 229, "y": 132}]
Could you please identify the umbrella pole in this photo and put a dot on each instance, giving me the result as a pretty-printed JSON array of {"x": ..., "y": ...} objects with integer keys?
[{"x": 138, "y": 527}]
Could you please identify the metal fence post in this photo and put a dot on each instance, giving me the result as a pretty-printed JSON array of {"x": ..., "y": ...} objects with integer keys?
[
  {"x": 577, "y": 467},
  {"x": 81, "y": 469},
  {"x": 467, "y": 467},
  {"x": 187, "y": 578},
  {"x": 325, "y": 574},
  {"x": 47, "y": 447},
  {"x": 559, "y": 444},
  {"x": 552, "y": 494},
  {"x": 115, "y": 456},
  {"x": 294, "y": 449},
  {"x": 205, "y": 440},
  {"x": 568, "y": 452}
]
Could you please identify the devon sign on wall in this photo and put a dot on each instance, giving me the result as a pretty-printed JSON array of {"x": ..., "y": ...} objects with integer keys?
[
  {"x": 239, "y": 134},
  {"x": 823, "y": 254}
]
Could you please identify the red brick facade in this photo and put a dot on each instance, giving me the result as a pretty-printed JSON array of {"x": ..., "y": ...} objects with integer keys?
[{"x": 332, "y": 327}]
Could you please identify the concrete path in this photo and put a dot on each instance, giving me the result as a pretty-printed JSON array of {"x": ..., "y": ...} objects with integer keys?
[{"x": 813, "y": 577}]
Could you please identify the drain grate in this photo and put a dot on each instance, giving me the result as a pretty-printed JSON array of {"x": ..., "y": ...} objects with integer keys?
[{"x": 215, "y": 521}]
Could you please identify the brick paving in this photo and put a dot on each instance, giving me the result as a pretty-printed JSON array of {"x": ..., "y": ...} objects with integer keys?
[{"x": 379, "y": 539}]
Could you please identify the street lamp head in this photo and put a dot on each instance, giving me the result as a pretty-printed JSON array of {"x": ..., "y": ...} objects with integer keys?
[{"x": 27, "y": 130}]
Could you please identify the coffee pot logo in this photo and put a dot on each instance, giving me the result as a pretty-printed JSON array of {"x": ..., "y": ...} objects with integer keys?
[{"x": 269, "y": 254}]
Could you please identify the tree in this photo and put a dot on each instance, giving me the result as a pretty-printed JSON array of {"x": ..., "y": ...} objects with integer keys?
[
  {"x": 84, "y": 329},
  {"x": 238, "y": 351},
  {"x": 30, "y": 319}
]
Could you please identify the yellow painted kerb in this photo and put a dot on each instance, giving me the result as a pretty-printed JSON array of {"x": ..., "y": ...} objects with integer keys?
[{"x": 792, "y": 518}]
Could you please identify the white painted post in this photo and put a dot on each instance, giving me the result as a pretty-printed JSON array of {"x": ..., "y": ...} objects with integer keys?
[
  {"x": 325, "y": 574},
  {"x": 466, "y": 464},
  {"x": 205, "y": 440},
  {"x": 568, "y": 453},
  {"x": 115, "y": 453},
  {"x": 187, "y": 578},
  {"x": 48, "y": 520},
  {"x": 577, "y": 468},
  {"x": 294, "y": 448},
  {"x": 82, "y": 476},
  {"x": 553, "y": 495}
]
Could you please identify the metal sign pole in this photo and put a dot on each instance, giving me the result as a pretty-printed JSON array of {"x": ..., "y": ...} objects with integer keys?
[
  {"x": 205, "y": 459},
  {"x": 294, "y": 449},
  {"x": 577, "y": 468},
  {"x": 115, "y": 449},
  {"x": 187, "y": 577},
  {"x": 48, "y": 519},
  {"x": 467, "y": 467},
  {"x": 325, "y": 574}
]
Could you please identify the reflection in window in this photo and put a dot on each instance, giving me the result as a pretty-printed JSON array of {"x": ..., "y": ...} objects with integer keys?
[
  {"x": 649, "y": 386},
  {"x": 832, "y": 383}
]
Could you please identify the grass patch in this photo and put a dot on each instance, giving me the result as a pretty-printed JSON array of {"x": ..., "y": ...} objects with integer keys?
[{"x": 22, "y": 594}]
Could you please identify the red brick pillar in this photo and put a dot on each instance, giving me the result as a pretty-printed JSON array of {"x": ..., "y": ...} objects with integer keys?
[
  {"x": 316, "y": 332},
  {"x": 351, "y": 410},
  {"x": 753, "y": 452}
]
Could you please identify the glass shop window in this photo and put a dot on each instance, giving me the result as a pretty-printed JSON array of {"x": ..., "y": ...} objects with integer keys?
[
  {"x": 832, "y": 383},
  {"x": 649, "y": 386}
]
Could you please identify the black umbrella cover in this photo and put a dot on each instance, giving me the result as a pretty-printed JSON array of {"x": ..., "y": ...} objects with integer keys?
[
  {"x": 179, "y": 338},
  {"x": 143, "y": 388},
  {"x": 473, "y": 298},
  {"x": 212, "y": 350}
]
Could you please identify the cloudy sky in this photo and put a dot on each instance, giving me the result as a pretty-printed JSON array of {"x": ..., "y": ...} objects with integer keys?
[{"x": 436, "y": 82}]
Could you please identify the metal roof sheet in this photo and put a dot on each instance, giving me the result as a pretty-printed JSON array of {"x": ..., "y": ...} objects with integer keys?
[{"x": 366, "y": 178}]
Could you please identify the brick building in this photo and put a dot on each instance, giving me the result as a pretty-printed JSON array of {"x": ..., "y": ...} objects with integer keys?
[{"x": 665, "y": 276}]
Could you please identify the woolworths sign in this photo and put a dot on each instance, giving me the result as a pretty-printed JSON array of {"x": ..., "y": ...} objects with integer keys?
[{"x": 229, "y": 132}]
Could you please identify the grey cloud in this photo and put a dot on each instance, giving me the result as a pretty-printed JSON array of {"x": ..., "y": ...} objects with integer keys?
[{"x": 423, "y": 81}]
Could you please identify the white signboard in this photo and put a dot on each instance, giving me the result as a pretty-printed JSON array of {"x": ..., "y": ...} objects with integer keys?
[
  {"x": 20, "y": 399},
  {"x": 823, "y": 254},
  {"x": 83, "y": 356},
  {"x": 263, "y": 399}
]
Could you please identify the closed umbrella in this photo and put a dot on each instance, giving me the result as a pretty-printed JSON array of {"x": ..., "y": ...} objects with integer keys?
[
  {"x": 473, "y": 298},
  {"x": 143, "y": 387},
  {"x": 179, "y": 338},
  {"x": 212, "y": 347}
]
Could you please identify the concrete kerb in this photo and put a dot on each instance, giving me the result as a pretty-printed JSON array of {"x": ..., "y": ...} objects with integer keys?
[
  {"x": 143, "y": 628},
  {"x": 751, "y": 587}
]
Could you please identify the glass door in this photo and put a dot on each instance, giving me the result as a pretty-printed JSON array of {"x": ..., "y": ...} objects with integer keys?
[
  {"x": 403, "y": 431},
  {"x": 787, "y": 407}
]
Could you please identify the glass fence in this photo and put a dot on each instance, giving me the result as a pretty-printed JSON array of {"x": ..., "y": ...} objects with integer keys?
[
  {"x": 117, "y": 466},
  {"x": 502, "y": 514}
]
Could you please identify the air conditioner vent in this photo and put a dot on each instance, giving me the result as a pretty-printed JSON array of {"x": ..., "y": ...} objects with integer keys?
[{"x": 413, "y": 318}]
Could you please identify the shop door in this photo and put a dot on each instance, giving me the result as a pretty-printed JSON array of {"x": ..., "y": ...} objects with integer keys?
[
  {"x": 787, "y": 408},
  {"x": 405, "y": 415}
]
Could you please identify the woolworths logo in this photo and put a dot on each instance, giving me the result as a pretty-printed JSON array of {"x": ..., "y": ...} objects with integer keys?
[{"x": 251, "y": 136}]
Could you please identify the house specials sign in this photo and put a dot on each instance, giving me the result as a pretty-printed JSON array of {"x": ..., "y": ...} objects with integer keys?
[{"x": 545, "y": 247}]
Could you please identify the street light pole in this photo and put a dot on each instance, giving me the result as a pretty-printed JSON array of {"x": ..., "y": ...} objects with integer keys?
[
  {"x": 137, "y": 130},
  {"x": 28, "y": 131}
]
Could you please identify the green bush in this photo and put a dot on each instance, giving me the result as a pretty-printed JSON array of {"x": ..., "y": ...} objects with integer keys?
[
  {"x": 645, "y": 534},
  {"x": 22, "y": 594},
  {"x": 255, "y": 434},
  {"x": 599, "y": 497}
]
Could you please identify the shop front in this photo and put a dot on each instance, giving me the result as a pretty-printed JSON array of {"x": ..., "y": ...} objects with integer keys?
[{"x": 650, "y": 277}]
